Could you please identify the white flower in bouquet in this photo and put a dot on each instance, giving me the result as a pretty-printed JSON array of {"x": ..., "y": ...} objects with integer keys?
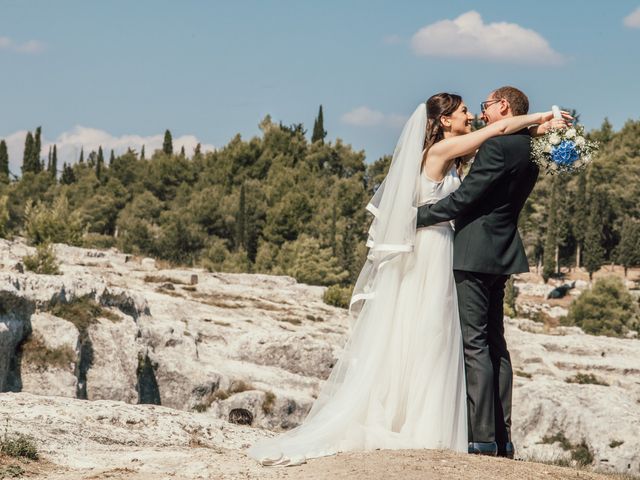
[
  {"x": 570, "y": 133},
  {"x": 554, "y": 139},
  {"x": 547, "y": 148},
  {"x": 553, "y": 166},
  {"x": 580, "y": 141}
]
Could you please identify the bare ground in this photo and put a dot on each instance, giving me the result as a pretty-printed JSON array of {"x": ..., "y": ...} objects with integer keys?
[{"x": 202, "y": 463}]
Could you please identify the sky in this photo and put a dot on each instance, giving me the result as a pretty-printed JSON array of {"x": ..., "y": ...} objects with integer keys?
[{"x": 119, "y": 73}]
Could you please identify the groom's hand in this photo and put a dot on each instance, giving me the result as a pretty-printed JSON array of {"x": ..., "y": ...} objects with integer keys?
[{"x": 422, "y": 219}]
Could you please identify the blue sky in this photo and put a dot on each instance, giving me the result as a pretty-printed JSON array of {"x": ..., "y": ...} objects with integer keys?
[{"x": 121, "y": 72}]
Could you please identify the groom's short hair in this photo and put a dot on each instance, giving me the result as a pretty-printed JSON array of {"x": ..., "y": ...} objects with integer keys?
[{"x": 518, "y": 101}]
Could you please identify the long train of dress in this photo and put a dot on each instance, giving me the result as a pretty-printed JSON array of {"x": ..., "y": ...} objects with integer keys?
[{"x": 399, "y": 383}]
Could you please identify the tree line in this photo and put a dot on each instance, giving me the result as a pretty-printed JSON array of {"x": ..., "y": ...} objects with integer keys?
[{"x": 283, "y": 203}]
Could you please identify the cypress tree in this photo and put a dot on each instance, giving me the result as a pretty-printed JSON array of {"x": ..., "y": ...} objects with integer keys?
[
  {"x": 54, "y": 162},
  {"x": 318, "y": 128},
  {"x": 167, "y": 145},
  {"x": 27, "y": 157},
  {"x": 4, "y": 161},
  {"x": 67, "y": 177},
  {"x": 112, "y": 157},
  {"x": 81, "y": 160},
  {"x": 49, "y": 160},
  {"x": 99, "y": 163},
  {"x": 182, "y": 152},
  {"x": 593, "y": 237},
  {"x": 37, "y": 147},
  {"x": 142, "y": 153},
  {"x": 197, "y": 152}
]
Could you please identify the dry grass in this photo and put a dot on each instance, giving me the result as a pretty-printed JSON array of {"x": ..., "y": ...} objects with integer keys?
[
  {"x": 268, "y": 402},
  {"x": 586, "y": 379},
  {"x": 162, "y": 279},
  {"x": 82, "y": 312},
  {"x": 37, "y": 355}
]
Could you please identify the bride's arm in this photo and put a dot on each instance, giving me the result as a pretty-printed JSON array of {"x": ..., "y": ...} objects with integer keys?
[{"x": 454, "y": 147}]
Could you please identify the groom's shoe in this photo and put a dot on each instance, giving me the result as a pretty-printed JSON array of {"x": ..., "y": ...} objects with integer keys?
[
  {"x": 506, "y": 450},
  {"x": 483, "y": 448}
]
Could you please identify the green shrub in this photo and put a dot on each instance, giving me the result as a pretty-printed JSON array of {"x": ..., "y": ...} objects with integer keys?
[
  {"x": 337, "y": 296},
  {"x": 607, "y": 309},
  {"x": 56, "y": 223},
  {"x": 557, "y": 438},
  {"x": 582, "y": 454},
  {"x": 97, "y": 240},
  {"x": 615, "y": 443},
  {"x": 4, "y": 216},
  {"x": 44, "y": 261},
  {"x": 19, "y": 446},
  {"x": 586, "y": 379}
]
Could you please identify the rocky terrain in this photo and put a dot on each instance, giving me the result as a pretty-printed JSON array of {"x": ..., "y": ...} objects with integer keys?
[{"x": 183, "y": 369}]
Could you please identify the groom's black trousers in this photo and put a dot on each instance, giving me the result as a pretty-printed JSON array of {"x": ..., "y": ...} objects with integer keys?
[{"x": 487, "y": 360}]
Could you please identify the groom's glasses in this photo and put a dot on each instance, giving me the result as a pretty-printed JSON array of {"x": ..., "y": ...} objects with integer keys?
[{"x": 484, "y": 105}]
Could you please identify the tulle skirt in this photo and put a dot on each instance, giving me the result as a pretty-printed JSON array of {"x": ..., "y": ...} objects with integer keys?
[{"x": 399, "y": 382}]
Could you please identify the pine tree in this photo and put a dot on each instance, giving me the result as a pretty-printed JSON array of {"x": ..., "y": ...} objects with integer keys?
[
  {"x": 167, "y": 145},
  {"x": 81, "y": 160},
  {"x": 27, "y": 157},
  {"x": 4, "y": 161},
  {"x": 112, "y": 157},
  {"x": 241, "y": 220},
  {"x": 628, "y": 250},
  {"x": 319, "y": 133},
  {"x": 580, "y": 215},
  {"x": 593, "y": 238},
  {"x": 37, "y": 147},
  {"x": 142, "y": 153},
  {"x": 551, "y": 239}
]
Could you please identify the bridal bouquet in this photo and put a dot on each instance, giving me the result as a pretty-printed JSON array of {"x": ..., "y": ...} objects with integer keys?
[{"x": 563, "y": 150}]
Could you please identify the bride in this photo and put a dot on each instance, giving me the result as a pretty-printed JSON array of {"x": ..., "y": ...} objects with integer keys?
[{"x": 399, "y": 382}]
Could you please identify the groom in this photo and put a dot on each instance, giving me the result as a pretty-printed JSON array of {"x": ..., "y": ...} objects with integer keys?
[{"x": 487, "y": 249}]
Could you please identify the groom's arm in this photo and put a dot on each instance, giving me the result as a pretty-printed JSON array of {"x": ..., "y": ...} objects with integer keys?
[{"x": 487, "y": 168}]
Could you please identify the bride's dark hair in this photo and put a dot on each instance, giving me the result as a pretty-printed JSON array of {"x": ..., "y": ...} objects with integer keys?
[{"x": 438, "y": 105}]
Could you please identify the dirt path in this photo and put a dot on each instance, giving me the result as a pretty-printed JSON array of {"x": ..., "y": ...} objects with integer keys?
[{"x": 200, "y": 463}]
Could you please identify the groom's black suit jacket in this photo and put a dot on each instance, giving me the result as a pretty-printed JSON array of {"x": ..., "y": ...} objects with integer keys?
[{"x": 487, "y": 205}]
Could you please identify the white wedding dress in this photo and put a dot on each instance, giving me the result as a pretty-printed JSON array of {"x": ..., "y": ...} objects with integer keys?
[{"x": 399, "y": 383}]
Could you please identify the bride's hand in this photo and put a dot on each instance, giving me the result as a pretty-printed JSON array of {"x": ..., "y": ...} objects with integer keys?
[
  {"x": 550, "y": 123},
  {"x": 548, "y": 116}
]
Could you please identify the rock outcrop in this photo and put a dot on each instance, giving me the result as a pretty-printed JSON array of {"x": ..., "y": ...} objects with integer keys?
[{"x": 207, "y": 348}]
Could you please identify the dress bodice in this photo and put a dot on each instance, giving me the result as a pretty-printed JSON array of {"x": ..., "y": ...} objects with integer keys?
[{"x": 430, "y": 191}]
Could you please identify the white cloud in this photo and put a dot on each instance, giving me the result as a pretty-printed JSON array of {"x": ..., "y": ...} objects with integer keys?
[
  {"x": 68, "y": 145},
  {"x": 367, "y": 117},
  {"x": 31, "y": 46},
  {"x": 469, "y": 37},
  {"x": 633, "y": 19}
]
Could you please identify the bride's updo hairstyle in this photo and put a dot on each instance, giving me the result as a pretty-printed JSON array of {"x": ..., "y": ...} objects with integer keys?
[{"x": 439, "y": 105}]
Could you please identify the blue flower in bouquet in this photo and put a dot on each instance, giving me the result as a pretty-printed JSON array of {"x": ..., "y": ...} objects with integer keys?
[{"x": 565, "y": 153}]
